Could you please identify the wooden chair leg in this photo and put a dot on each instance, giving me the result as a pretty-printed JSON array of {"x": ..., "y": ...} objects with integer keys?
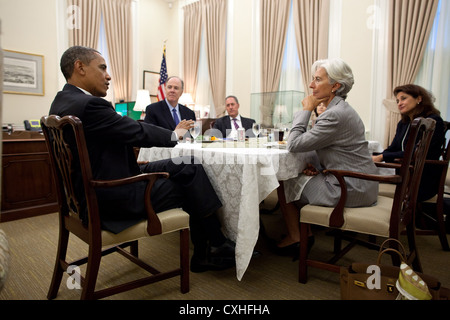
[
  {"x": 92, "y": 268},
  {"x": 184, "y": 260},
  {"x": 58, "y": 270},
  {"x": 134, "y": 248},
  {"x": 442, "y": 233},
  {"x": 414, "y": 254}
]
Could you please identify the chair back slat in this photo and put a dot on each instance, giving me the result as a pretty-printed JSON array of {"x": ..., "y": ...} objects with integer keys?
[
  {"x": 68, "y": 153},
  {"x": 413, "y": 161}
]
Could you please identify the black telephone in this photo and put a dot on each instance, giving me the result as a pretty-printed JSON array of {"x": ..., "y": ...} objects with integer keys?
[{"x": 32, "y": 125}]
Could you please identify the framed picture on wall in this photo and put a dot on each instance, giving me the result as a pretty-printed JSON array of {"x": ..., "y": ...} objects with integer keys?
[
  {"x": 23, "y": 73},
  {"x": 151, "y": 83}
]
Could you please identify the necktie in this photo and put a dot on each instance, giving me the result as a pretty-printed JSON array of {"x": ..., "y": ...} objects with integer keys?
[
  {"x": 175, "y": 116},
  {"x": 235, "y": 124}
]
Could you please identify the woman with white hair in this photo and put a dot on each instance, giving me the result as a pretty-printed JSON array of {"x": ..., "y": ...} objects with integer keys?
[{"x": 338, "y": 137}]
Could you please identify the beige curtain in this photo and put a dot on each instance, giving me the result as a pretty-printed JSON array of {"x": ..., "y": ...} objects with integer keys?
[
  {"x": 118, "y": 29},
  {"x": 411, "y": 22},
  {"x": 311, "y": 19},
  {"x": 215, "y": 21},
  {"x": 84, "y": 26},
  {"x": 274, "y": 24},
  {"x": 191, "y": 48}
]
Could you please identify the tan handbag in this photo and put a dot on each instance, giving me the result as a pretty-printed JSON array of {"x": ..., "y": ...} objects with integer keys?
[{"x": 359, "y": 282}]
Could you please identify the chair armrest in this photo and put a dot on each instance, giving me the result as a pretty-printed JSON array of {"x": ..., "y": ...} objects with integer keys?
[
  {"x": 337, "y": 215},
  {"x": 394, "y": 178},
  {"x": 129, "y": 180},
  {"x": 154, "y": 224},
  {"x": 442, "y": 163},
  {"x": 388, "y": 165}
]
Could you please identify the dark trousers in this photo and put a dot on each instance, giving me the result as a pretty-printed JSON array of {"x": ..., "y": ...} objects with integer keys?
[{"x": 188, "y": 187}]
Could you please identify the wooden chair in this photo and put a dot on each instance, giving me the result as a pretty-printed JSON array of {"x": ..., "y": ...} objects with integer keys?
[
  {"x": 436, "y": 202},
  {"x": 385, "y": 219},
  {"x": 68, "y": 153}
]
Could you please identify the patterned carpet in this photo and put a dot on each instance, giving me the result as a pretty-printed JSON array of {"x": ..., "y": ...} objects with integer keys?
[{"x": 33, "y": 244}]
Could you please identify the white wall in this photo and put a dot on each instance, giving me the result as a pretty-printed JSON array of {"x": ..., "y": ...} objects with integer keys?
[
  {"x": 30, "y": 26},
  {"x": 356, "y": 50},
  {"x": 158, "y": 22}
]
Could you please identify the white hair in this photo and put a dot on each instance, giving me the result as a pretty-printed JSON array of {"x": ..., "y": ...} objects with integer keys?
[{"x": 338, "y": 72}]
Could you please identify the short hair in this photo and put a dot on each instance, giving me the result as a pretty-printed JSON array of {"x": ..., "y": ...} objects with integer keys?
[
  {"x": 338, "y": 72},
  {"x": 182, "y": 82},
  {"x": 425, "y": 107},
  {"x": 71, "y": 55},
  {"x": 234, "y": 97}
]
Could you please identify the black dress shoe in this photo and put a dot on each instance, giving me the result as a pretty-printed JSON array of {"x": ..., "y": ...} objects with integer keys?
[
  {"x": 293, "y": 250},
  {"x": 226, "y": 250},
  {"x": 289, "y": 250},
  {"x": 211, "y": 264}
]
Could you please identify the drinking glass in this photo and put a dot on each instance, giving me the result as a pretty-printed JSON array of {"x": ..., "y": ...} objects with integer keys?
[
  {"x": 196, "y": 129},
  {"x": 256, "y": 128}
]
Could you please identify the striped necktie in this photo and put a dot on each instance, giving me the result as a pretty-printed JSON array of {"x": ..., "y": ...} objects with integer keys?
[{"x": 235, "y": 124}]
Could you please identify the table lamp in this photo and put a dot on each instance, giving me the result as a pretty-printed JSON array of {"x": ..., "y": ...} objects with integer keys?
[
  {"x": 142, "y": 101},
  {"x": 186, "y": 99}
]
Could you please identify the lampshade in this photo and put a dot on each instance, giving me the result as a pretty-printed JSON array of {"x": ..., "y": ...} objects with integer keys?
[
  {"x": 186, "y": 99},
  {"x": 142, "y": 100}
]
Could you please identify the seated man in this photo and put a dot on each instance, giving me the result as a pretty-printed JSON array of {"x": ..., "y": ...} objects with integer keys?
[
  {"x": 169, "y": 113},
  {"x": 229, "y": 124},
  {"x": 110, "y": 139}
]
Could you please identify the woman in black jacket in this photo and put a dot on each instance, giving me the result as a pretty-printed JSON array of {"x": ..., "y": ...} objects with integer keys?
[{"x": 414, "y": 101}]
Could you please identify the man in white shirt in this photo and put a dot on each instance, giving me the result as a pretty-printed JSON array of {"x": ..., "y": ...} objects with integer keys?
[{"x": 229, "y": 124}]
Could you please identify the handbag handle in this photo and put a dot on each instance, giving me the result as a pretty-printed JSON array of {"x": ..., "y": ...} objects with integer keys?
[
  {"x": 394, "y": 240},
  {"x": 402, "y": 257}
]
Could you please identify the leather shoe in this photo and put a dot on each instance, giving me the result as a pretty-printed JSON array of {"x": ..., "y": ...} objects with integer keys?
[
  {"x": 211, "y": 264},
  {"x": 293, "y": 250},
  {"x": 226, "y": 250}
]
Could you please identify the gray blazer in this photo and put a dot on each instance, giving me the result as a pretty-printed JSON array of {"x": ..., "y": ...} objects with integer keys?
[{"x": 338, "y": 137}]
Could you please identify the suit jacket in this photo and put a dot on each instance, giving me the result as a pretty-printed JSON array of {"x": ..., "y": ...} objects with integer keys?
[
  {"x": 224, "y": 126},
  {"x": 338, "y": 137},
  {"x": 110, "y": 139},
  {"x": 158, "y": 113},
  {"x": 429, "y": 183}
]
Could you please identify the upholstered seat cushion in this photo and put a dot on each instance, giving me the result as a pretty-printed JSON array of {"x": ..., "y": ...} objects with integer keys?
[
  {"x": 370, "y": 220},
  {"x": 386, "y": 190},
  {"x": 171, "y": 220}
]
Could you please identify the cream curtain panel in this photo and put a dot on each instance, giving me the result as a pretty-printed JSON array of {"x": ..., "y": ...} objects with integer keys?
[
  {"x": 311, "y": 18},
  {"x": 87, "y": 16},
  {"x": 85, "y": 27},
  {"x": 191, "y": 49},
  {"x": 214, "y": 15},
  {"x": 410, "y": 24},
  {"x": 118, "y": 28},
  {"x": 274, "y": 23}
]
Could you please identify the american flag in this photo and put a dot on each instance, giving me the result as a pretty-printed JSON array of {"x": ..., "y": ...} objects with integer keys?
[{"x": 162, "y": 78}]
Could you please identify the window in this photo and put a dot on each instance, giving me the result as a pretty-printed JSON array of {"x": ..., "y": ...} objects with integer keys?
[{"x": 433, "y": 74}]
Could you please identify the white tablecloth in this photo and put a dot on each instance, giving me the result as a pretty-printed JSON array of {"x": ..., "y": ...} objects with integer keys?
[{"x": 242, "y": 177}]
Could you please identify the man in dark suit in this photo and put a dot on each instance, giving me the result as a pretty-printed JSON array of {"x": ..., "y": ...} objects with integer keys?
[
  {"x": 110, "y": 139},
  {"x": 229, "y": 124},
  {"x": 168, "y": 113}
]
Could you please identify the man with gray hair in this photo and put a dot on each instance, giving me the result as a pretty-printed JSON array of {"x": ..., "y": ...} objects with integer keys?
[{"x": 168, "y": 113}]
